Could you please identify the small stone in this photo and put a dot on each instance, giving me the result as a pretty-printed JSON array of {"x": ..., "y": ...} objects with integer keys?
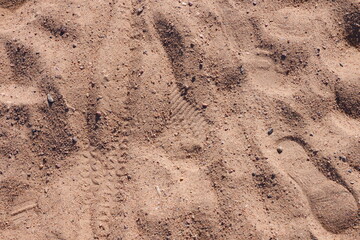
[
  {"x": 242, "y": 70},
  {"x": 254, "y": 3},
  {"x": 190, "y": 4},
  {"x": 41, "y": 166},
  {"x": 343, "y": 158},
  {"x": 279, "y": 150},
  {"x": 270, "y": 131},
  {"x": 74, "y": 140},
  {"x": 98, "y": 116},
  {"x": 139, "y": 10},
  {"x": 57, "y": 166},
  {"x": 50, "y": 99}
]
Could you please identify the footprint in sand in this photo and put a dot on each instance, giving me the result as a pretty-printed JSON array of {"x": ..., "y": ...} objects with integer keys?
[
  {"x": 332, "y": 204},
  {"x": 23, "y": 208}
]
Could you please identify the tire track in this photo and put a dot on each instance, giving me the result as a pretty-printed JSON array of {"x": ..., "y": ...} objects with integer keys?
[
  {"x": 103, "y": 188},
  {"x": 107, "y": 166}
]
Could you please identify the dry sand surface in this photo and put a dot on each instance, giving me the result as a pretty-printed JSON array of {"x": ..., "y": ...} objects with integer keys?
[{"x": 167, "y": 119}]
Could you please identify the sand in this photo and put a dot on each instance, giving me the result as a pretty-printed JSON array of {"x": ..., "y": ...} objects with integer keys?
[{"x": 149, "y": 119}]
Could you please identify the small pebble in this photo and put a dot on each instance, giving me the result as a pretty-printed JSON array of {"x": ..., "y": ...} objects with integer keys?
[
  {"x": 50, "y": 98},
  {"x": 270, "y": 131},
  {"x": 343, "y": 158},
  {"x": 98, "y": 116},
  {"x": 139, "y": 10},
  {"x": 279, "y": 150}
]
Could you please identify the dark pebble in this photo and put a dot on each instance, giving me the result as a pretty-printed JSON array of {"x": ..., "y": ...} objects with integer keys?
[
  {"x": 343, "y": 158},
  {"x": 270, "y": 131}
]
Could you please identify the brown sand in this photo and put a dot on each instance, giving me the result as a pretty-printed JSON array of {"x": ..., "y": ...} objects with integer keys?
[{"x": 166, "y": 119}]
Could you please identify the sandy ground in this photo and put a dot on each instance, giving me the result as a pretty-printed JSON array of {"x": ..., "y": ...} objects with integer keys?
[{"x": 166, "y": 119}]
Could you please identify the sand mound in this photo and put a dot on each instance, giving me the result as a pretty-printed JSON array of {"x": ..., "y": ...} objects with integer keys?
[
  {"x": 352, "y": 28},
  {"x": 11, "y": 3},
  {"x": 348, "y": 98}
]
